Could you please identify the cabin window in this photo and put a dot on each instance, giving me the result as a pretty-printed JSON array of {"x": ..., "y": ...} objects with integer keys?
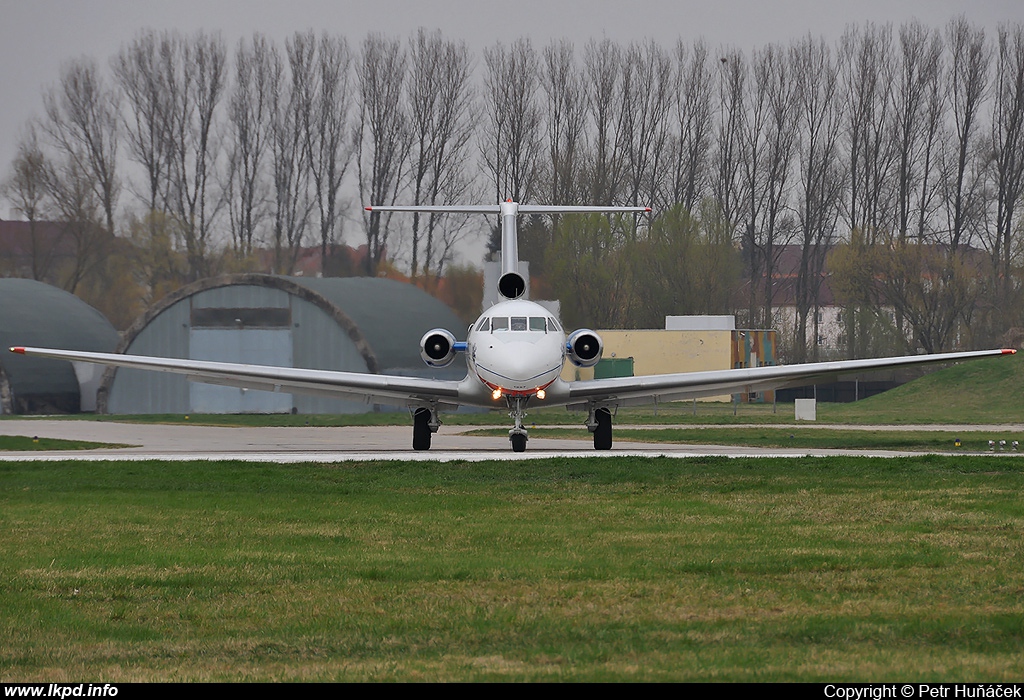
[
  {"x": 537, "y": 324},
  {"x": 519, "y": 323},
  {"x": 485, "y": 324},
  {"x": 499, "y": 323}
]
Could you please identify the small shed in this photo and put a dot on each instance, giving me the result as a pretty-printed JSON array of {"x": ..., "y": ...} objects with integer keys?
[{"x": 36, "y": 314}]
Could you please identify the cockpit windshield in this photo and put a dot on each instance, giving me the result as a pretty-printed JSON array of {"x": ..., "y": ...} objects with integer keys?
[{"x": 517, "y": 323}]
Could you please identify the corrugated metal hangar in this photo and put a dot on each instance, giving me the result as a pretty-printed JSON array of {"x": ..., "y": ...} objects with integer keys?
[
  {"x": 34, "y": 313},
  {"x": 353, "y": 324}
]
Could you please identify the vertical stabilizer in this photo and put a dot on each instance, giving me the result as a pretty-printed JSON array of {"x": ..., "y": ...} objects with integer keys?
[{"x": 511, "y": 284}]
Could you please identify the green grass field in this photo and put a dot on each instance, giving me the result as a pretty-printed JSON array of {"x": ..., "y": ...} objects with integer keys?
[
  {"x": 24, "y": 443},
  {"x": 842, "y": 569},
  {"x": 971, "y": 441}
]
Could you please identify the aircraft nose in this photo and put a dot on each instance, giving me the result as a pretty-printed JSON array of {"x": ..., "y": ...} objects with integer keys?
[
  {"x": 518, "y": 362},
  {"x": 520, "y": 367}
]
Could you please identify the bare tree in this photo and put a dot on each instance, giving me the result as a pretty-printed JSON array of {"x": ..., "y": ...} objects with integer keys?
[
  {"x": 194, "y": 74},
  {"x": 250, "y": 120},
  {"x": 511, "y": 139},
  {"x": 1007, "y": 160},
  {"x": 917, "y": 119},
  {"x": 326, "y": 123},
  {"x": 648, "y": 93},
  {"x": 26, "y": 188},
  {"x": 727, "y": 180},
  {"x": 767, "y": 142},
  {"x": 967, "y": 84},
  {"x": 440, "y": 106},
  {"x": 694, "y": 122},
  {"x": 566, "y": 122},
  {"x": 383, "y": 135},
  {"x": 80, "y": 211},
  {"x": 602, "y": 67},
  {"x": 868, "y": 76},
  {"x": 868, "y": 85},
  {"x": 819, "y": 118},
  {"x": 290, "y": 156},
  {"x": 138, "y": 73},
  {"x": 82, "y": 121}
]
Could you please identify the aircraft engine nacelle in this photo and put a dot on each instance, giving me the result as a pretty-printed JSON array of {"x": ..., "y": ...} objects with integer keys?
[
  {"x": 437, "y": 348},
  {"x": 511, "y": 285},
  {"x": 584, "y": 348}
]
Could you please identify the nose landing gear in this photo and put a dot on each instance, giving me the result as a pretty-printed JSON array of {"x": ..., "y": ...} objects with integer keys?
[{"x": 517, "y": 435}]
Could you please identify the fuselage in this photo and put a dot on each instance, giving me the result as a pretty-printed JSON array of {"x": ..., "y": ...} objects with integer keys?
[{"x": 516, "y": 348}]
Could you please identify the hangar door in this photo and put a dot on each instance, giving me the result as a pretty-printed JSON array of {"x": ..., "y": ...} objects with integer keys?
[{"x": 249, "y": 336}]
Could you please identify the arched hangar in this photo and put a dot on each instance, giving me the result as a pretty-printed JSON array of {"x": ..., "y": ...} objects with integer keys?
[
  {"x": 40, "y": 315},
  {"x": 352, "y": 324}
]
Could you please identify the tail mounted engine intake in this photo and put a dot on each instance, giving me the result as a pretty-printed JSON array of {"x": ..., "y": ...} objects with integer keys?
[
  {"x": 584, "y": 348},
  {"x": 511, "y": 285},
  {"x": 438, "y": 347}
]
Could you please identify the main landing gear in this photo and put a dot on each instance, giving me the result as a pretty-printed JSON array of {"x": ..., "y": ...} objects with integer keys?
[
  {"x": 424, "y": 424},
  {"x": 599, "y": 422}
]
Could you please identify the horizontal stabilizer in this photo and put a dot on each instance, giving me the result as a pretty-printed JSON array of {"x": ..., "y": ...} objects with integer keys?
[
  {"x": 454, "y": 209},
  {"x": 496, "y": 208},
  {"x": 558, "y": 209}
]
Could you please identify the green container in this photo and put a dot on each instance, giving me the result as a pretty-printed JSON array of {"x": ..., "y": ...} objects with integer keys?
[{"x": 610, "y": 367}]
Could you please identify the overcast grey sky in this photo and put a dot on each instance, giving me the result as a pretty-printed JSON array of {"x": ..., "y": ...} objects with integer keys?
[{"x": 37, "y": 36}]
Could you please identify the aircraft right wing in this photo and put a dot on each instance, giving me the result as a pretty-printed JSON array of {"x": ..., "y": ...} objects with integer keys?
[
  {"x": 374, "y": 388},
  {"x": 625, "y": 391}
]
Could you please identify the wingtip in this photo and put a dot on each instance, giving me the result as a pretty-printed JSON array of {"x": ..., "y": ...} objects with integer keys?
[
  {"x": 1009, "y": 351},
  {"x": 368, "y": 208},
  {"x": 18, "y": 350}
]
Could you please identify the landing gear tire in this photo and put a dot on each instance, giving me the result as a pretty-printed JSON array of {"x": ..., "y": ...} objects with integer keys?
[
  {"x": 518, "y": 442},
  {"x": 603, "y": 431},
  {"x": 421, "y": 429}
]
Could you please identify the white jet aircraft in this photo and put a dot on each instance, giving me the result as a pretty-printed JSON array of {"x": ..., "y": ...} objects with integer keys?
[{"x": 515, "y": 352}]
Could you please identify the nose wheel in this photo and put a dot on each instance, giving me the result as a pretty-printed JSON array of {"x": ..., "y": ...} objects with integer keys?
[
  {"x": 518, "y": 442},
  {"x": 517, "y": 436}
]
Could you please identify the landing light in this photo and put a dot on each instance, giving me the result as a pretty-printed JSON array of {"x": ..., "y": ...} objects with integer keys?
[
  {"x": 496, "y": 394},
  {"x": 541, "y": 394}
]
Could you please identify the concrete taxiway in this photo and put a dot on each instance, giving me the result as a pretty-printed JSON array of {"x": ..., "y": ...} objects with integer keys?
[{"x": 367, "y": 443}]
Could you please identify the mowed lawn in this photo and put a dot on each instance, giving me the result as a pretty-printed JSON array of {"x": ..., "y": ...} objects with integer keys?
[{"x": 838, "y": 569}]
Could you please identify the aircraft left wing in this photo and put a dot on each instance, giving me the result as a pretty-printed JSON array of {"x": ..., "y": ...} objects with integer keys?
[
  {"x": 374, "y": 388},
  {"x": 625, "y": 391}
]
